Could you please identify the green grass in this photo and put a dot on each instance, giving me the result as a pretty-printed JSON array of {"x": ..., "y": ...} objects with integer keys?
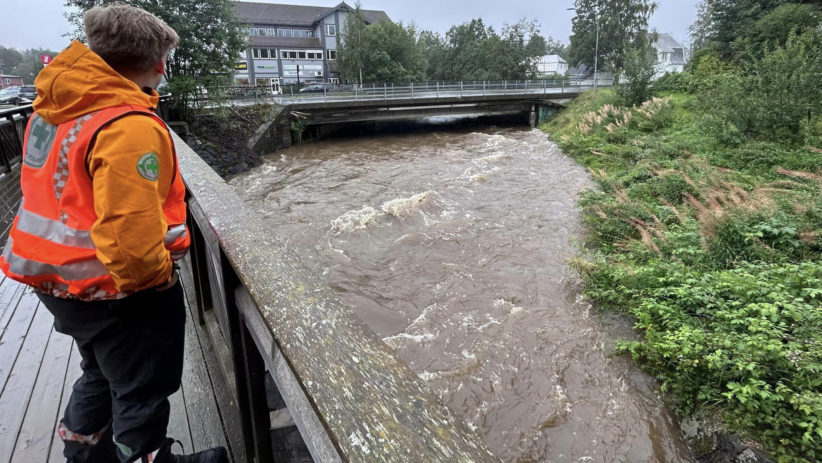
[{"x": 715, "y": 250}]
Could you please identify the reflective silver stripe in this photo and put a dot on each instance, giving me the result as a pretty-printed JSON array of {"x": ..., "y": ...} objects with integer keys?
[
  {"x": 53, "y": 230},
  {"x": 175, "y": 233},
  {"x": 7, "y": 250},
  {"x": 69, "y": 272}
]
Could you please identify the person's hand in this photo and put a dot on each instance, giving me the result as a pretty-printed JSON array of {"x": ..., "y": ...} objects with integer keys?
[{"x": 174, "y": 277}]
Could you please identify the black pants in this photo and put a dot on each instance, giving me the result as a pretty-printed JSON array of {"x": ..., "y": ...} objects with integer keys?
[{"x": 132, "y": 351}]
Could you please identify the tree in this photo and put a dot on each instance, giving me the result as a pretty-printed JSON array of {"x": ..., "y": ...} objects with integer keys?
[
  {"x": 771, "y": 98},
  {"x": 772, "y": 30},
  {"x": 9, "y": 58},
  {"x": 29, "y": 64},
  {"x": 620, "y": 23},
  {"x": 556, "y": 47},
  {"x": 433, "y": 48},
  {"x": 720, "y": 22},
  {"x": 210, "y": 40},
  {"x": 391, "y": 54},
  {"x": 637, "y": 73},
  {"x": 473, "y": 51},
  {"x": 351, "y": 48}
]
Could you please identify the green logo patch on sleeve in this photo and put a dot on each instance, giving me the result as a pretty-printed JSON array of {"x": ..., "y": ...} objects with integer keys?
[{"x": 149, "y": 166}]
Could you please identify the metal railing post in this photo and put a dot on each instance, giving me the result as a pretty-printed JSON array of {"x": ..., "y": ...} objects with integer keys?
[
  {"x": 356, "y": 94},
  {"x": 412, "y": 90},
  {"x": 438, "y": 89},
  {"x": 483, "y": 88},
  {"x": 504, "y": 87},
  {"x": 460, "y": 89},
  {"x": 384, "y": 90}
]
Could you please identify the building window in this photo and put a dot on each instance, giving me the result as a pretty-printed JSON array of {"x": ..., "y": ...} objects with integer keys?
[
  {"x": 307, "y": 33},
  {"x": 301, "y": 55},
  {"x": 330, "y": 29},
  {"x": 334, "y": 80},
  {"x": 261, "y": 53},
  {"x": 332, "y": 55}
]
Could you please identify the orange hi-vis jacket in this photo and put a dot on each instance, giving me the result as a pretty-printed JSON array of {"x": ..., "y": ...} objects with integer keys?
[{"x": 103, "y": 198}]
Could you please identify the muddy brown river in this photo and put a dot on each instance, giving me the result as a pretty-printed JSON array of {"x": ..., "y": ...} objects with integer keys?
[{"x": 450, "y": 239}]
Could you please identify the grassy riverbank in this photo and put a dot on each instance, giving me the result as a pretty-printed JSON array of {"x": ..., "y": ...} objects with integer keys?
[{"x": 715, "y": 250}]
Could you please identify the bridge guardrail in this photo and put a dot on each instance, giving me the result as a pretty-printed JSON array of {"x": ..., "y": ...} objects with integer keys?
[
  {"x": 394, "y": 91},
  {"x": 350, "y": 397}
]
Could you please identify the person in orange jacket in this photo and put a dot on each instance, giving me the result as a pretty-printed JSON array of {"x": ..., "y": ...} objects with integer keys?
[{"x": 101, "y": 223}]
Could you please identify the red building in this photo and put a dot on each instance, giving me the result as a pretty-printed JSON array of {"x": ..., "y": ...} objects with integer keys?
[{"x": 10, "y": 81}]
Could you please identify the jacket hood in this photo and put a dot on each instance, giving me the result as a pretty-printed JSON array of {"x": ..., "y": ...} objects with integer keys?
[{"x": 78, "y": 82}]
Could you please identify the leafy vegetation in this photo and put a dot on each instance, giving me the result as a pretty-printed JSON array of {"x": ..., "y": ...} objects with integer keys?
[
  {"x": 210, "y": 40},
  {"x": 387, "y": 52},
  {"x": 23, "y": 63},
  {"x": 381, "y": 52},
  {"x": 715, "y": 249},
  {"x": 620, "y": 23}
]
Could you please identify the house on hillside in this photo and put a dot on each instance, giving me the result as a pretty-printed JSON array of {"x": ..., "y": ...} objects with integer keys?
[
  {"x": 551, "y": 65},
  {"x": 670, "y": 55},
  {"x": 291, "y": 43}
]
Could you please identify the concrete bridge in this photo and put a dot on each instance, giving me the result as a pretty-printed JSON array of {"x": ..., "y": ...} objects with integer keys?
[{"x": 317, "y": 114}]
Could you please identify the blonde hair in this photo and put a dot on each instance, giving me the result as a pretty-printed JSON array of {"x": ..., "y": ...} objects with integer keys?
[{"x": 128, "y": 39}]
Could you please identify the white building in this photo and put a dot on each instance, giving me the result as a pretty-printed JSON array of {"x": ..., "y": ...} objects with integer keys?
[
  {"x": 551, "y": 65},
  {"x": 670, "y": 55}
]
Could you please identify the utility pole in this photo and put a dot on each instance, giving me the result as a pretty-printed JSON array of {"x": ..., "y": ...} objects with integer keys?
[{"x": 298, "y": 76}]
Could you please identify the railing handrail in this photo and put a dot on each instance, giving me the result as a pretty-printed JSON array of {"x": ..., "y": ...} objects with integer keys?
[
  {"x": 352, "y": 399},
  {"x": 410, "y": 90},
  {"x": 12, "y": 127}
]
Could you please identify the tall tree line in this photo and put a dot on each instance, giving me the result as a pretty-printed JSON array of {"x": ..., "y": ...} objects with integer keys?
[
  {"x": 472, "y": 51},
  {"x": 23, "y": 63}
]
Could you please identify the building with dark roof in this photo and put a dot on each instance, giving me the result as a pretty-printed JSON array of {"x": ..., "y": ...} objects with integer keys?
[
  {"x": 291, "y": 43},
  {"x": 670, "y": 55}
]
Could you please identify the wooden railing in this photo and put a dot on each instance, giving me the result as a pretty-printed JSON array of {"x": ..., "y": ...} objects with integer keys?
[
  {"x": 347, "y": 392},
  {"x": 12, "y": 130}
]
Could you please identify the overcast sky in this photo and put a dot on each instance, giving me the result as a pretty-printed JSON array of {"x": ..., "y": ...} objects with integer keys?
[{"x": 41, "y": 24}]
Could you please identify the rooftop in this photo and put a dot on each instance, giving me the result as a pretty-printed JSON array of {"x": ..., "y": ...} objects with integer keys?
[{"x": 296, "y": 15}]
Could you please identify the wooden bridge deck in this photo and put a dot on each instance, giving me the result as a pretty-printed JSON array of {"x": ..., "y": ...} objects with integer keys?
[{"x": 39, "y": 365}]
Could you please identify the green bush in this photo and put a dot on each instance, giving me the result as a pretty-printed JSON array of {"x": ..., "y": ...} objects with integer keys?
[
  {"x": 674, "y": 82},
  {"x": 728, "y": 294},
  {"x": 744, "y": 339}
]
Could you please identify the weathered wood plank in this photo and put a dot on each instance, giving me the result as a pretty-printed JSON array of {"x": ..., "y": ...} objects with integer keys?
[
  {"x": 14, "y": 335},
  {"x": 203, "y": 414},
  {"x": 73, "y": 372},
  {"x": 311, "y": 428},
  {"x": 10, "y": 292},
  {"x": 213, "y": 352},
  {"x": 224, "y": 391},
  {"x": 41, "y": 417},
  {"x": 16, "y": 395},
  {"x": 373, "y": 407}
]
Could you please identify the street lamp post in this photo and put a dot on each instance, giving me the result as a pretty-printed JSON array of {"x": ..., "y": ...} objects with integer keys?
[{"x": 596, "y": 52}]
